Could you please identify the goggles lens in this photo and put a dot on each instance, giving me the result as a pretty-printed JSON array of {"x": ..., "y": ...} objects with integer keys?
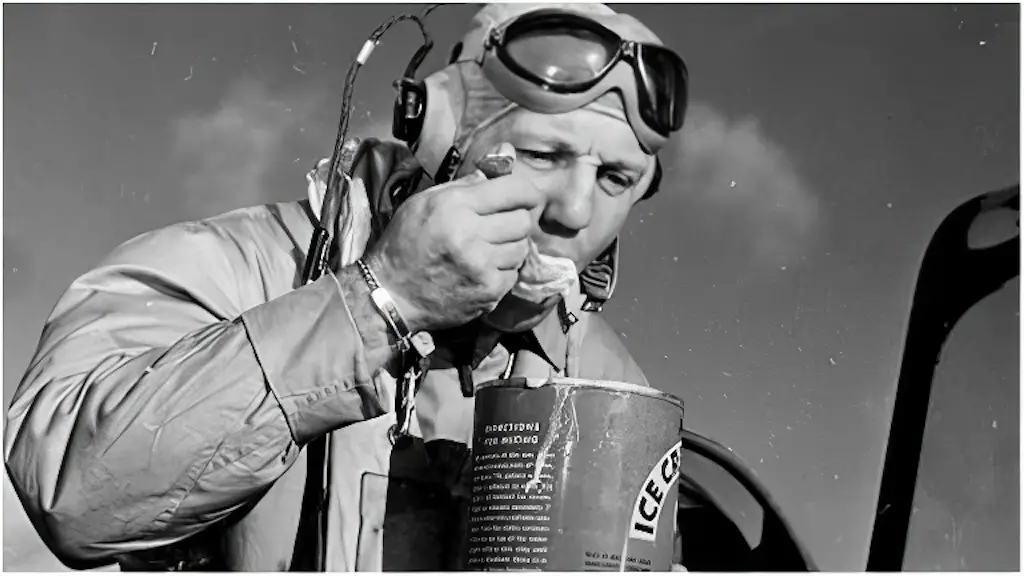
[
  {"x": 560, "y": 55},
  {"x": 567, "y": 53},
  {"x": 664, "y": 83}
]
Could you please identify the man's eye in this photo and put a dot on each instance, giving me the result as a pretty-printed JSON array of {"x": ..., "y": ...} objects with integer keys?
[
  {"x": 616, "y": 183},
  {"x": 537, "y": 157}
]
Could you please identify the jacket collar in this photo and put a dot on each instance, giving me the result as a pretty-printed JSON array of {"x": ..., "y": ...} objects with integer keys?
[{"x": 471, "y": 344}]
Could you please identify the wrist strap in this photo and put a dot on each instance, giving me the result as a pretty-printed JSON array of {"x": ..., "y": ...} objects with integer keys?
[{"x": 421, "y": 341}]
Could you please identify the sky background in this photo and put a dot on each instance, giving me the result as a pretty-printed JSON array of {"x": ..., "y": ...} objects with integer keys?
[{"x": 768, "y": 284}]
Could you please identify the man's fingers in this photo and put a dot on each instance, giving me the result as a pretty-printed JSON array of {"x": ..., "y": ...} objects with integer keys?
[
  {"x": 505, "y": 194},
  {"x": 511, "y": 226},
  {"x": 511, "y": 255}
]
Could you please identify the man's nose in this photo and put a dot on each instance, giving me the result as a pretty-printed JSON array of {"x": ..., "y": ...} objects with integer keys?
[{"x": 570, "y": 204}]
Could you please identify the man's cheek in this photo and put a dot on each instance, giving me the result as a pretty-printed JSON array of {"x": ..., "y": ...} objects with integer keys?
[
  {"x": 600, "y": 235},
  {"x": 546, "y": 180}
]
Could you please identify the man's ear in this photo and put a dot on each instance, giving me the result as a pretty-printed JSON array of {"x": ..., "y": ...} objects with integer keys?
[{"x": 655, "y": 184}]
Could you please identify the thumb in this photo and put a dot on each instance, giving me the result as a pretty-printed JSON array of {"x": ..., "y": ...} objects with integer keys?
[{"x": 475, "y": 177}]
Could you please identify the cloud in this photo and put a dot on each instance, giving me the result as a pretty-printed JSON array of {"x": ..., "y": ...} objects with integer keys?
[
  {"x": 228, "y": 153},
  {"x": 369, "y": 127},
  {"x": 742, "y": 189}
]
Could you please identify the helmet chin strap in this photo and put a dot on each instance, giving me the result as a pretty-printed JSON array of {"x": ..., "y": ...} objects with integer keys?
[
  {"x": 449, "y": 166},
  {"x": 599, "y": 277},
  {"x": 453, "y": 159}
]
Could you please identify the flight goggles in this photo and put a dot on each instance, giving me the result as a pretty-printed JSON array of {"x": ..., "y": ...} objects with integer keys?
[{"x": 552, "y": 61}]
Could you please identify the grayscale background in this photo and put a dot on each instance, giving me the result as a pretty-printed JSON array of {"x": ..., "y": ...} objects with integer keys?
[{"x": 768, "y": 284}]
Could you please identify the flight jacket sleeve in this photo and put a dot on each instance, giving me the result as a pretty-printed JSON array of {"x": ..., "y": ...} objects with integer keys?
[{"x": 163, "y": 396}]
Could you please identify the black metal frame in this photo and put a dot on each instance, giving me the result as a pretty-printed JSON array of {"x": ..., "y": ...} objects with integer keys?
[
  {"x": 779, "y": 548},
  {"x": 953, "y": 278}
]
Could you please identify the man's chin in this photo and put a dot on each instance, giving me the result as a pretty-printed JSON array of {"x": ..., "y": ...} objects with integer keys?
[{"x": 514, "y": 314}]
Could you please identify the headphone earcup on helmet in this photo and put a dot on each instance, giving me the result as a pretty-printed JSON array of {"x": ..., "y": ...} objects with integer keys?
[{"x": 409, "y": 110}]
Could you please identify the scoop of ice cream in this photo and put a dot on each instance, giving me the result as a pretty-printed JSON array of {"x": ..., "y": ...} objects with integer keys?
[{"x": 543, "y": 276}]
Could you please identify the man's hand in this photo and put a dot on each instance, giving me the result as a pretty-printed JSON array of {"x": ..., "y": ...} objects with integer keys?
[{"x": 452, "y": 252}]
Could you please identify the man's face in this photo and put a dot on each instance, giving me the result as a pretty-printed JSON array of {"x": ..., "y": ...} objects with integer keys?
[
  {"x": 591, "y": 168},
  {"x": 588, "y": 163}
]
